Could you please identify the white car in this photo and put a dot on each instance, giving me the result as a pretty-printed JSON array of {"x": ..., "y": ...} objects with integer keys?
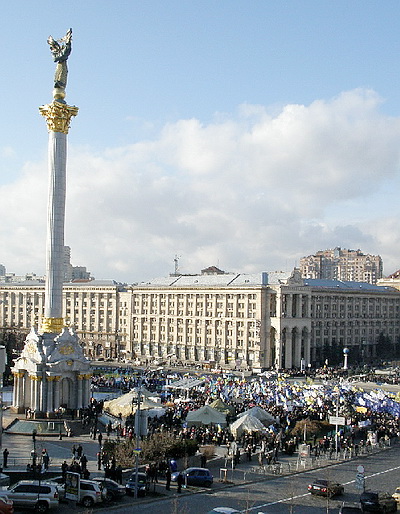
[
  {"x": 33, "y": 494},
  {"x": 90, "y": 492},
  {"x": 222, "y": 510}
]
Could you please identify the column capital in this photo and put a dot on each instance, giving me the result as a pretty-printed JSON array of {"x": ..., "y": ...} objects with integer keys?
[
  {"x": 58, "y": 116},
  {"x": 52, "y": 325}
]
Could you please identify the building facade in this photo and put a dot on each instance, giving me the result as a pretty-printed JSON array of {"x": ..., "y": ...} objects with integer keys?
[
  {"x": 92, "y": 308},
  {"x": 227, "y": 320},
  {"x": 342, "y": 264}
]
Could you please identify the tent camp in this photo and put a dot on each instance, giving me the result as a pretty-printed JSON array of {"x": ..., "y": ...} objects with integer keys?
[
  {"x": 127, "y": 404},
  {"x": 223, "y": 407},
  {"x": 246, "y": 423},
  {"x": 265, "y": 417},
  {"x": 205, "y": 416}
]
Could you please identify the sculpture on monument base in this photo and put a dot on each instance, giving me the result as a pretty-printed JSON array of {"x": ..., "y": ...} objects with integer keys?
[{"x": 61, "y": 50}]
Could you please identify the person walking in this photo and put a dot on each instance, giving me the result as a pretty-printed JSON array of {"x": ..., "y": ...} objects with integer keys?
[
  {"x": 180, "y": 482},
  {"x": 79, "y": 451},
  {"x": 168, "y": 479},
  {"x": 45, "y": 459},
  {"x": 64, "y": 469},
  {"x": 5, "y": 458}
]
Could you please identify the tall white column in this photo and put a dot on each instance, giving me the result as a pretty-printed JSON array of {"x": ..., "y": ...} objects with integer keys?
[
  {"x": 56, "y": 393},
  {"x": 80, "y": 391},
  {"x": 50, "y": 396},
  {"x": 58, "y": 115},
  {"x": 57, "y": 160}
]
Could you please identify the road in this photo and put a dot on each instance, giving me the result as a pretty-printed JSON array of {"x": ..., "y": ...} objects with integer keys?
[{"x": 286, "y": 494}]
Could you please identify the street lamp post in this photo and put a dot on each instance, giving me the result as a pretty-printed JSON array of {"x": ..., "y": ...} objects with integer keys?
[
  {"x": 138, "y": 433},
  {"x": 33, "y": 452},
  {"x": 3, "y": 362},
  {"x": 346, "y": 352}
]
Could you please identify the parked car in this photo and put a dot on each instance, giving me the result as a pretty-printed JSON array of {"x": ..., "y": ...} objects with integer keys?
[
  {"x": 59, "y": 482},
  {"x": 114, "y": 489},
  {"x": 6, "y": 505},
  {"x": 350, "y": 508},
  {"x": 325, "y": 488},
  {"x": 377, "y": 502},
  {"x": 200, "y": 477},
  {"x": 223, "y": 510},
  {"x": 4, "y": 479},
  {"x": 143, "y": 484},
  {"x": 40, "y": 496},
  {"x": 90, "y": 492},
  {"x": 396, "y": 494}
]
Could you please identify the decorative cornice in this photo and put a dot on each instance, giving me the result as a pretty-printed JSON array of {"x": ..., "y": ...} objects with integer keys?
[
  {"x": 52, "y": 378},
  {"x": 52, "y": 325},
  {"x": 58, "y": 116}
]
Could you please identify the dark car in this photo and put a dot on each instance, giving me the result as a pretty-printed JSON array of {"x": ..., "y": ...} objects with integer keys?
[
  {"x": 142, "y": 486},
  {"x": 350, "y": 508},
  {"x": 200, "y": 477},
  {"x": 114, "y": 489},
  {"x": 377, "y": 502},
  {"x": 325, "y": 488}
]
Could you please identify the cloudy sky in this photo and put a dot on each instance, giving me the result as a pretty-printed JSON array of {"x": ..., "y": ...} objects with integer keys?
[{"x": 242, "y": 134}]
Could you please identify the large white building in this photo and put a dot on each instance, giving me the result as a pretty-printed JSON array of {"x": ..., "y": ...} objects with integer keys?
[{"x": 232, "y": 320}]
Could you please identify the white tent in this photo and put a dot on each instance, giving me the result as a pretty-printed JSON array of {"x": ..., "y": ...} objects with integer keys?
[
  {"x": 265, "y": 417},
  {"x": 185, "y": 384},
  {"x": 127, "y": 404},
  {"x": 246, "y": 423},
  {"x": 205, "y": 416}
]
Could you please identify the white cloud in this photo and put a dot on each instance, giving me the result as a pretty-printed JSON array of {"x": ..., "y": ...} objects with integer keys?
[{"x": 250, "y": 192}]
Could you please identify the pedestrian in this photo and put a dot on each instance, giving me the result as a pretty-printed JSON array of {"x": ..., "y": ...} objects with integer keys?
[
  {"x": 168, "y": 479},
  {"x": 79, "y": 451},
  {"x": 109, "y": 429},
  {"x": 100, "y": 438},
  {"x": 45, "y": 459},
  {"x": 5, "y": 458},
  {"x": 84, "y": 462},
  {"x": 118, "y": 474},
  {"x": 99, "y": 461},
  {"x": 64, "y": 469},
  {"x": 180, "y": 482},
  {"x": 203, "y": 461}
]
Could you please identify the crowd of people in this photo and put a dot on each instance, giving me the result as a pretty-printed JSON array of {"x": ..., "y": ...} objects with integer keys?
[{"x": 370, "y": 417}]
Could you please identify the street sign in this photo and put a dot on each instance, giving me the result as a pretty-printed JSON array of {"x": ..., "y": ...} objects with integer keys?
[
  {"x": 337, "y": 420},
  {"x": 360, "y": 469},
  {"x": 72, "y": 485},
  {"x": 136, "y": 451}
]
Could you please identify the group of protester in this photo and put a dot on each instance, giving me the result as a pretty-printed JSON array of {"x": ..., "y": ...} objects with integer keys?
[{"x": 288, "y": 401}]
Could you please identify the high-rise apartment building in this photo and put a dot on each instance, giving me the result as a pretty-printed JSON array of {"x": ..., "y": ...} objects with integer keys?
[{"x": 342, "y": 264}]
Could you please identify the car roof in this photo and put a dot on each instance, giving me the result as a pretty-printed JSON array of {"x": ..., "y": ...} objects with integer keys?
[
  {"x": 195, "y": 468},
  {"x": 36, "y": 482},
  {"x": 100, "y": 479}
]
